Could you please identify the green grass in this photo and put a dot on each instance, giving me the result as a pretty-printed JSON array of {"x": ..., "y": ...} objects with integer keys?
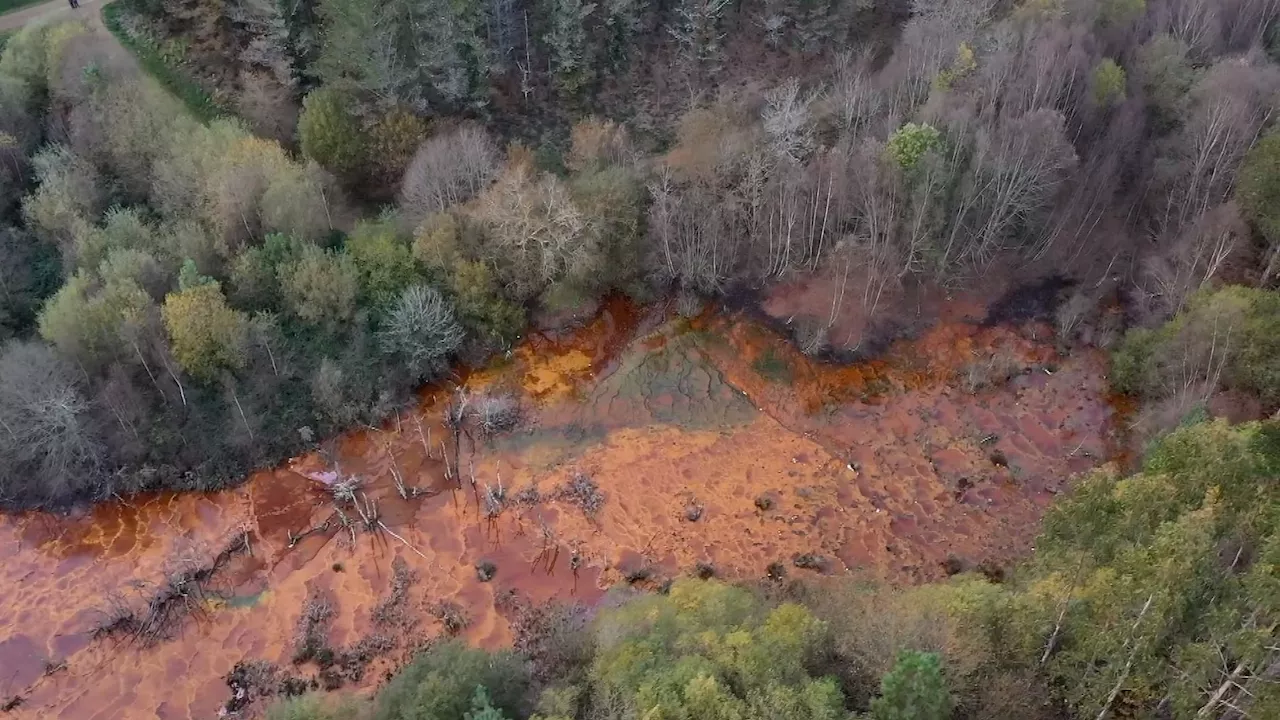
[
  {"x": 4, "y": 38},
  {"x": 773, "y": 367},
  {"x": 152, "y": 59},
  {"x": 8, "y": 6}
]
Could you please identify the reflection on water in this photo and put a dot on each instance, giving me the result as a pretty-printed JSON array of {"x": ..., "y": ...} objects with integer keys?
[{"x": 950, "y": 445}]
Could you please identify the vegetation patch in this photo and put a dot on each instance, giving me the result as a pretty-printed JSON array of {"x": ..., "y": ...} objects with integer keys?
[{"x": 164, "y": 66}]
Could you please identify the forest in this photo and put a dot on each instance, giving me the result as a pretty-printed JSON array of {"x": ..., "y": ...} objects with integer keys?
[
  {"x": 342, "y": 200},
  {"x": 376, "y": 190}
]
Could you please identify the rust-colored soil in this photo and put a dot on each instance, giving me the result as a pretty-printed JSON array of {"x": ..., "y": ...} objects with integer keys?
[{"x": 712, "y": 441}]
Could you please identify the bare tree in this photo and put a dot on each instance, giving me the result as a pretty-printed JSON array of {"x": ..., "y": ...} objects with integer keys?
[
  {"x": 47, "y": 444},
  {"x": 1197, "y": 171},
  {"x": 446, "y": 170},
  {"x": 788, "y": 122},
  {"x": 1015, "y": 170},
  {"x": 421, "y": 330}
]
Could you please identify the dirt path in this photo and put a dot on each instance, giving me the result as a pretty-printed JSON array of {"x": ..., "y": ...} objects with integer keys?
[{"x": 53, "y": 8}]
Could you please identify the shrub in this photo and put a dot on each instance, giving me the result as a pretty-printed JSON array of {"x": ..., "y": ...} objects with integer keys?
[
  {"x": 382, "y": 260},
  {"x": 441, "y": 683},
  {"x": 207, "y": 335},
  {"x": 1108, "y": 83}
]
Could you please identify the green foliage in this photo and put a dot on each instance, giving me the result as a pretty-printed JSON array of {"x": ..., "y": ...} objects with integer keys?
[
  {"x": 441, "y": 684},
  {"x": 914, "y": 690},
  {"x": 1231, "y": 335},
  {"x": 482, "y": 310},
  {"x": 482, "y": 707},
  {"x": 1153, "y": 566},
  {"x": 1108, "y": 83},
  {"x": 314, "y": 707},
  {"x": 709, "y": 650},
  {"x": 320, "y": 286},
  {"x": 254, "y": 274},
  {"x": 910, "y": 142},
  {"x": 152, "y": 57},
  {"x": 330, "y": 133},
  {"x": 383, "y": 261},
  {"x": 1258, "y": 186},
  {"x": 1118, "y": 13}
]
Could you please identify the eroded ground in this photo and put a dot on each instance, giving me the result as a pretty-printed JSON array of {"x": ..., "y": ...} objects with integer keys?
[{"x": 709, "y": 441}]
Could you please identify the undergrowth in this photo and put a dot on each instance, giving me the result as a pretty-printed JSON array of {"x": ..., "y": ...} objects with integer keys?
[{"x": 153, "y": 60}]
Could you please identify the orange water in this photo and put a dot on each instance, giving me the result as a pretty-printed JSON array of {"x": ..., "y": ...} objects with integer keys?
[{"x": 884, "y": 467}]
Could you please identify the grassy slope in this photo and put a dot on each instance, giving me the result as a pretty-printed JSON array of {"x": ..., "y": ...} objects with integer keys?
[{"x": 173, "y": 79}]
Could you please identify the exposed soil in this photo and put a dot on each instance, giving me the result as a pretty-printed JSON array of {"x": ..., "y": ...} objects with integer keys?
[{"x": 648, "y": 446}]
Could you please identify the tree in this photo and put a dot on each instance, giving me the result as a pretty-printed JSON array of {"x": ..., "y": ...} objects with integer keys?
[
  {"x": 207, "y": 335},
  {"x": 420, "y": 330},
  {"x": 914, "y": 690},
  {"x": 447, "y": 169},
  {"x": 441, "y": 682},
  {"x": 537, "y": 231},
  {"x": 47, "y": 442},
  {"x": 320, "y": 286},
  {"x": 331, "y": 134},
  {"x": 383, "y": 261},
  {"x": 910, "y": 142},
  {"x": 1108, "y": 83},
  {"x": 571, "y": 62},
  {"x": 747, "y": 661},
  {"x": 482, "y": 707},
  {"x": 1258, "y": 191}
]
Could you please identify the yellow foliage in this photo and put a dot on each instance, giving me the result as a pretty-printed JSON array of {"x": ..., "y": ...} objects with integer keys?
[{"x": 207, "y": 335}]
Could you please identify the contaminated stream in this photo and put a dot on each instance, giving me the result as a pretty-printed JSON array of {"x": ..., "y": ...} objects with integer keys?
[{"x": 648, "y": 444}]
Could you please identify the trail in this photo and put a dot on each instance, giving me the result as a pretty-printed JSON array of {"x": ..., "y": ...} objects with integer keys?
[{"x": 53, "y": 9}]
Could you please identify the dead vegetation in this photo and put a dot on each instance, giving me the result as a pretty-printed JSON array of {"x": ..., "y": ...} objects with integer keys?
[
  {"x": 583, "y": 492},
  {"x": 185, "y": 592},
  {"x": 453, "y": 619}
]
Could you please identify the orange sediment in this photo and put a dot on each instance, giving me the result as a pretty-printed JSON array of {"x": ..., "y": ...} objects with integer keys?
[{"x": 712, "y": 441}]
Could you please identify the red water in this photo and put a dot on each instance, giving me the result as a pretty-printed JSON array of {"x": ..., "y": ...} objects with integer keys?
[{"x": 885, "y": 467}]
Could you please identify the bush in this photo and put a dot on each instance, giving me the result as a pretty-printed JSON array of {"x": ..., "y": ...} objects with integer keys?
[{"x": 441, "y": 684}]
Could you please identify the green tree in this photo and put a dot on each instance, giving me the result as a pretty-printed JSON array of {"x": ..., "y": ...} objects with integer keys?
[
  {"x": 910, "y": 142},
  {"x": 482, "y": 707},
  {"x": 441, "y": 683},
  {"x": 1108, "y": 83},
  {"x": 207, "y": 335},
  {"x": 383, "y": 260},
  {"x": 1258, "y": 191},
  {"x": 482, "y": 310},
  {"x": 330, "y": 132},
  {"x": 320, "y": 286},
  {"x": 709, "y": 650},
  {"x": 914, "y": 690}
]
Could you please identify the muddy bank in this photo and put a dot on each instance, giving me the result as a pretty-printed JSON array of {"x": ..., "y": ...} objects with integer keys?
[{"x": 647, "y": 444}]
